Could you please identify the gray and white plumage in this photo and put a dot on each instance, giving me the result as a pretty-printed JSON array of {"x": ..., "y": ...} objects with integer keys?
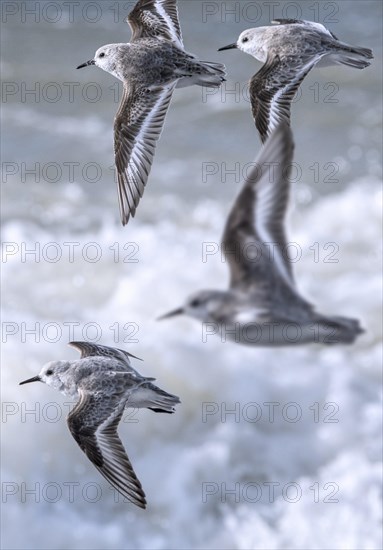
[
  {"x": 262, "y": 286},
  {"x": 151, "y": 66},
  {"x": 105, "y": 384},
  {"x": 289, "y": 51}
]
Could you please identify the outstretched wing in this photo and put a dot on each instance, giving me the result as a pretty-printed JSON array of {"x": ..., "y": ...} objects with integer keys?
[
  {"x": 258, "y": 217},
  {"x": 93, "y": 423},
  {"x": 88, "y": 349},
  {"x": 137, "y": 128},
  {"x": 156, "y": 18},
  {"x": 273, "y": 88}
]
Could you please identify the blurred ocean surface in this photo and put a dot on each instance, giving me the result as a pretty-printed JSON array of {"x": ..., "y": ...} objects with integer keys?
[{"x": 87, "y": 284}]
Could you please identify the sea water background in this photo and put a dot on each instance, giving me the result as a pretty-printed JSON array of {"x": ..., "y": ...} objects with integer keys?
[{"x": 177, "y": 456}]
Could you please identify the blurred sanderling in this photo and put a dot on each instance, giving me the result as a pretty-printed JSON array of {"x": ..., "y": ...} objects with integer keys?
[
  {"x": 105, "y": 383},
  {"x": 289, "y": 52},
  {"x": 151, "y": 66},
  {"x": 263, "y": 306}
]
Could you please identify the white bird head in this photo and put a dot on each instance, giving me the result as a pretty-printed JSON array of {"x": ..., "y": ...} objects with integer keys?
[
  {"x": 200, "y": 305},
  {"x": 106, "y": 58},
  {"x": 53, "y": 374},
  {"x": 251, "y": 42}
]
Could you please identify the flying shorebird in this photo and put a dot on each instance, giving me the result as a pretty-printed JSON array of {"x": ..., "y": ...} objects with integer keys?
[
  {"x": 263, "y": 306},
  {"x": 151, "y": 66},
  {"x": 105, "y": 383},
  {"x": 289, "y": 51}
]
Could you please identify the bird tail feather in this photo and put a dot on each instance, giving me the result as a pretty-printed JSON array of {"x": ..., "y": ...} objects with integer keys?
[
  {"x": 339, "y": 330},
  {"x": 205, "y": 73},
  {"x": 161, "y": 401},
  {"x": 353, "y": 56}
]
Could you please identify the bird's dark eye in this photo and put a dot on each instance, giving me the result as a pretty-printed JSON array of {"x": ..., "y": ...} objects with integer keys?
[
  {"x": 195, "y": 303},
  {"x": 102, "y": 54},
  {"x": 49, "y": 372},
  {"x": 245, "y": 39}
]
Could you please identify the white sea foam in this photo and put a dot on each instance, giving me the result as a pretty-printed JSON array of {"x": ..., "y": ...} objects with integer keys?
[{"x": 176, "y": 455}]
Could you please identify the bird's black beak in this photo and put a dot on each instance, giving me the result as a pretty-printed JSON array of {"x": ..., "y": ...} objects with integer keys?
[
  {"x": 91, "y": 62},
  {"x": 229, "y": 47},
  {"x": 34, "y": 379},
  {"x": 174, "y": 313}
]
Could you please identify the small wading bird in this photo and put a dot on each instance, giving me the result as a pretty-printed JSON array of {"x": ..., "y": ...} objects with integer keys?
[
  {"x": 263, "y": 306},
  {"x": 105, "y": 383},
  {"x": 151, "y": 66},
  {"x": 289, "y": 51}
]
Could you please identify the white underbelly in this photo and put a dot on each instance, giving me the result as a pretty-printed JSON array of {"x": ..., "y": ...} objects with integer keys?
[{"x": 271, "y": 333}]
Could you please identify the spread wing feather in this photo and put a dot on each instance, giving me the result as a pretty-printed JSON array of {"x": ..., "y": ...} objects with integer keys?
[
  {"x": 138, "y": 126},
  {"x": 273, "y": 89},
  {"x": 88, "y": 349},
  {"x": 93, "y": 423},
  {"x": 156, "y": 18},
  {"x": 258, "y": 217}
]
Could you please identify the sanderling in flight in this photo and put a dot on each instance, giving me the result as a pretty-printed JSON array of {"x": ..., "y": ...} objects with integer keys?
[
  {"x": 289, "y": 51},
  {"x": 105, "y": 383},
  {"x": 263, "y": 305},
  {"x": 151, "y": 66}
]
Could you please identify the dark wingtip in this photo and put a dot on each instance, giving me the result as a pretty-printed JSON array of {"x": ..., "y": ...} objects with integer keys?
[
  {"x": 134, "y": 357},
  {"x": 161, "y": 410}
]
